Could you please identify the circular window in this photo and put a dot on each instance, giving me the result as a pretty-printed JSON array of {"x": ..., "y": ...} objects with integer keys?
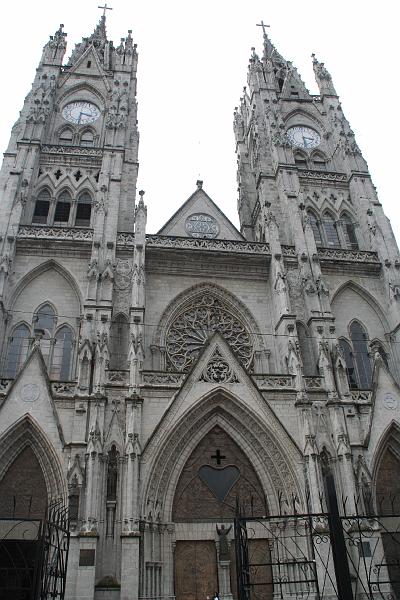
[{"x": 201, "y": 225}]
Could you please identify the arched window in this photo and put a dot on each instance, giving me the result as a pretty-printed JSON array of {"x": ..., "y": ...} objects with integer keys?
[
  {"x": 42, "y": 206},
  {"x": 87, "y": 138},
  {"x": 63, "y": 207},
  {"x": 119, "y": 343},
  {"x": 83, "y": 210},
  {"x": 300, "y": 160},
  {"x": 44, "y": 324},
  {"x": 62, "y": 354},
  {"x": 66, "y": 137},
  {"x": 315, "y": 227},
  {"x": 350, "y": 367},
  {"x": 349, "y": 232},
  {"x": 361, "y": 354},
  {"x": 306, "y": 350},
  {"x": 17, "y": 350},
  {"x": 319, "y": 162},
  {"x": 331, "y": 235}
]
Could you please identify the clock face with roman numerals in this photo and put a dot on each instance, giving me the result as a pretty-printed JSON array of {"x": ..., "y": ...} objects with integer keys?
[
  {"x": 81, "y": 113},
  {"x": 303, "y": 137}
]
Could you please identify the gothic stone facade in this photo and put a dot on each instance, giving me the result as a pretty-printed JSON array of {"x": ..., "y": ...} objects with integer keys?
[{"x": 149, "y": 380}]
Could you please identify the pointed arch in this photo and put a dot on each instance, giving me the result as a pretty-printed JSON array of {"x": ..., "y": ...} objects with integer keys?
[
  {"x": 87, "y": 137},
  {"x": 300, "y": 158},
  {"x": 76, "y": 90},
  {"x": 47, "y": 265},
  {"x": 24, "y": 433},
  {"x": 330, "y": 230},
  {"x": 386, "y": 470},
  {"x": 315, "y": 226},
  {"x": 232, "y": 303},
  {"x": 349, "y": 232},
  {"x": 318, "y": 160},
  {"x": 66, "y": 136},
  {"x": 365, "y": 295},
  {"x": 42, "y": 206},
  {"x": 119, "y": 334},
  {"x": 17, "y": 349},
  {"x": 302, "y": 117},
  {"x": 84, "y": 208},
  {"x": 168, "y": 450}
]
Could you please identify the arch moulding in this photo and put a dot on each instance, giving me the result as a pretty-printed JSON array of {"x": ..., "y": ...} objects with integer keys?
[
  {"x": 168, "y": 452},
  {"x": 26, "y": 432}
]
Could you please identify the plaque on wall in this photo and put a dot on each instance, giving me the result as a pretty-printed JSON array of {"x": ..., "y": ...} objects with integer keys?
[{"x": 86, "y": 557}]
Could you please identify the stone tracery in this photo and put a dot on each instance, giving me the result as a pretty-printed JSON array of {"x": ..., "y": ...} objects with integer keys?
[{"x": 198, "y": 321}]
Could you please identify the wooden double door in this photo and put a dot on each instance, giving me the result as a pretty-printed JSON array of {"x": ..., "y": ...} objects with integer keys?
[{"x": 196, "y": 575}]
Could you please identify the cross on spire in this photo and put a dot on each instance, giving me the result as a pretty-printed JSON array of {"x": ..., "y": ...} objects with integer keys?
[
  {"x": 104, "y": 8},
  {"x": 262, "y": 24}
]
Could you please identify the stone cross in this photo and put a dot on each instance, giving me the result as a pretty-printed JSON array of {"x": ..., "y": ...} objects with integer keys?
[
  {"x": 262, "y": 24},
  {"x": 104, "y": 8}
]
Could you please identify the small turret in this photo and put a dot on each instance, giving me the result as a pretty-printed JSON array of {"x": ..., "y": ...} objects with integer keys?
[
  {"x": 54, "y": 50},
  {"x": 323, "y": 78}
]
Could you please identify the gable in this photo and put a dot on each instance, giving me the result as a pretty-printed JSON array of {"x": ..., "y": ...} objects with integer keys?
[{"x": 200, "y": 217}]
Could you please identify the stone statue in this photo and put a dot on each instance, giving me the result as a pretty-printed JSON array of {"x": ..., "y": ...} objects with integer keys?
[{"x": 223, "y": 542}]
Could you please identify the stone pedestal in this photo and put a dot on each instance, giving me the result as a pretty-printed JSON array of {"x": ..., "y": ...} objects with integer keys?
[
  {"x": 81, "y": 568},
  {"x": 130, "y": 566},
  {"x": 224, "y": 580}
]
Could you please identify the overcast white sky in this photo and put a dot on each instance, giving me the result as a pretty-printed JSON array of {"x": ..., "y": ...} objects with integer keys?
[{"x": 193, "y": 60}]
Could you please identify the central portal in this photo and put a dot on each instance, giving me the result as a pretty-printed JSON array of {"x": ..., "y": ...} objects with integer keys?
[
  {"x": 195, "y": 570},
  {"x": 215, "y": 477}
]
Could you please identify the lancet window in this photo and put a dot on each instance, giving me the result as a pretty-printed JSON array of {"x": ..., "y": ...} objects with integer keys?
[
  {"x": 357, "y": 357},
  {"x": 66, "y": 209},
  {"x": 56, "y": 344},
  {"x": 331, "y": 233}
]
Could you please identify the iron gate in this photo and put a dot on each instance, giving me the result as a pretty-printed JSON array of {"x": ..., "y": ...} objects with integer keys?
[
  {"x": 318, "y": 556},
  {"x": 34, "y": 555}
]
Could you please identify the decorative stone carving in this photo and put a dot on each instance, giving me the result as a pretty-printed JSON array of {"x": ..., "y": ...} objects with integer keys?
[
  {"x": 78, "y": 150},
  {"x": 218, "y": 370},
  {"x": 348, "y": 255},
  {"x": 274, "y": 382},
  {"x": 164, "y": 241},
  {"x": 163, "y": 379},
  {"x": 123, "y": 274},
  {"x": 75, "y": 234},
  {"x": 63, "y": 389},
  {"x": 196, "y": 323}
]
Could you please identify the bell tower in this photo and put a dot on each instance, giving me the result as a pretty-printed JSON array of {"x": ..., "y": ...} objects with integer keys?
[
  {"x": 70, "y": 170},
  {"x": 305, "y": 189}
]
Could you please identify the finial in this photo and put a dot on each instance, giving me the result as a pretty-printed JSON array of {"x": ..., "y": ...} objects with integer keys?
[
  {"x": 263, "y": 25},
  {"x": 141, "y": 194},
  {"x": 199, "y": 184},
  {"x": 104, "y": 8}
]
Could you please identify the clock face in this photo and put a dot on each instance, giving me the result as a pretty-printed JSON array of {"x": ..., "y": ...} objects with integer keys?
[
  {"x": 303, "y": 137},
  {"x": 81, "y": 113},
  {"x": 201, "y": 225}
]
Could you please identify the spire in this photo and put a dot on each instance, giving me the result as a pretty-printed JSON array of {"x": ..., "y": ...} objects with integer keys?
[
  {"x": 323, "y": 78},
  {"x": 97, "y": 40}
]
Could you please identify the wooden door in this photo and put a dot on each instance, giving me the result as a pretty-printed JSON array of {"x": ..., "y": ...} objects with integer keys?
[{"x": 195, "y": 570}]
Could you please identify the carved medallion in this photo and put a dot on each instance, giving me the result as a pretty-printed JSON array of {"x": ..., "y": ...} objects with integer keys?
[
  {"x": 201, "y": 225},
  {"x": 123, "y": 273},
  {"x": 29, "y": 392}
]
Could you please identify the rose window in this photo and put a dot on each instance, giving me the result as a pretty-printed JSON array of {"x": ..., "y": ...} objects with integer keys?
[{"x": 197, "y": 322}]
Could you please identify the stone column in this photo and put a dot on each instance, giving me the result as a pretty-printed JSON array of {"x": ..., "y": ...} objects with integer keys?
[
  {"x": 224, "y": 579},
  {"x": 130, "y": 566}
]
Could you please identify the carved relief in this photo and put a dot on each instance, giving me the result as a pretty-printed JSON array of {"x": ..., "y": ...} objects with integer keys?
[{"x": 218, "y": 370}]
